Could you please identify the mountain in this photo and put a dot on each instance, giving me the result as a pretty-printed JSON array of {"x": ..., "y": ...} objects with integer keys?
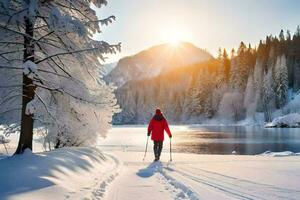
[
  {"x": 156, "y": 60},
  {"x": 109, "y": 67},
  {"x": 254, "y": 85}
]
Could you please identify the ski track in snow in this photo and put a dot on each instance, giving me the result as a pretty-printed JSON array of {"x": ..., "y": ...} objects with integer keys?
[
  {"x": 234, "y": 187},
  {"x": 183, "y": 191},
  {"x": 237, "y": 187},
  {"x": 101, "y": 182},
  {"x": 168, "y": 184},
  {"x": 178, "y": 189},
  {"x": 99, "y": 192},
  {"x": 183, "y": 181}
]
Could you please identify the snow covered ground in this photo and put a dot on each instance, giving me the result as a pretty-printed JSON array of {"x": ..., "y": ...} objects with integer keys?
[
  {"x": 118, "y": 172},
  {"x": 69, "y": 173},
  {"x": 290, "y": 120},
  {"x": 192, "y": 176}
]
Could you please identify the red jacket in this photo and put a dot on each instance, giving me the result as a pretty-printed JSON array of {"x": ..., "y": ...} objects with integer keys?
[{"x": 156, "y": 127}]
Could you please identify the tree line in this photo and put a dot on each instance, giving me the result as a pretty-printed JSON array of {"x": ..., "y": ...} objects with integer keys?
[{"x": 249, "y": 83}]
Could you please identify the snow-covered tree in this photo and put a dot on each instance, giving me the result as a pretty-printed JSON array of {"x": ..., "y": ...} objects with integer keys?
[
  {"x": 197, "y": 95},
  {"x": 268, "y": 95},
  {"x": 240, "y": 68},
  {"x": 54, "y": 65},
  {"x": 226, "y": 66},
  {"x": 257, "y": 86},
  {"x": 281, "y": 81},
  {"x": 201, "y": 99},
  {"x": 231, "y": 106},
  {"x": 249, "y": 98}
]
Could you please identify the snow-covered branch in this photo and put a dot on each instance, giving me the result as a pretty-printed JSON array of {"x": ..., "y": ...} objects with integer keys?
[
  {"x": 102, "y": 49},
  {"x": 47, "y": 47}
]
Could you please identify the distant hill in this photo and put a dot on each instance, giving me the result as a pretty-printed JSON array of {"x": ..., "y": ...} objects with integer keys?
[
  {"x": 109, "y": 67},
  {"x": 156, "y": 60}
]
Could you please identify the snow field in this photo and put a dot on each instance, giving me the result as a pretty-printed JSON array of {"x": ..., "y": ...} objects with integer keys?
[
  {"x": 195, "y": 177},
  {"x": 119, "y": 173},
  {"x": 86, "y": 173},
  {"x": 68, "y": 173}
]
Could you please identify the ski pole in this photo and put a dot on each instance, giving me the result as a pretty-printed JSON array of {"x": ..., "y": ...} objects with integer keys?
[
  {"x": 146, "y": 148},
  {"x": 170, "y": 151}
]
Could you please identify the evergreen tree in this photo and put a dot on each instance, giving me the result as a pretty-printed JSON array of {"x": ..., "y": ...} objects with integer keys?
[
  {"x": 268, "y": 95},
  {"x": 258, "y": 83},
  {"x": 250, "y": 99},
  {"x": 288, "y": 35},
  {"x": 220, "y": 56},
  {"x": 281, "y": 81},
  {"x": 281, "y": 36},
  {"x": 297, "y": 33},
  {"x": 226, "y": 66},
  {"x": 241, "y": 68},
  {"x": 232, "y": 53}
]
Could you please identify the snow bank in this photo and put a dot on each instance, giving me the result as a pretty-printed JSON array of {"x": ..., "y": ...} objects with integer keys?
[
  {"x": 290, "y": 120},
  {"x": 280, "y": 154},
  {"x": 55, "y": 175}
]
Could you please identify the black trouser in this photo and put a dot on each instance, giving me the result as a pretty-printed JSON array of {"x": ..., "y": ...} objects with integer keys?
[{"x": 158, "y": 145}]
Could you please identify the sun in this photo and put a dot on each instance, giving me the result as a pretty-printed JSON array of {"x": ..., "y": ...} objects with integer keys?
[
  {"x": 174, "y": 41},
  {"x": 174, "y": 35}
]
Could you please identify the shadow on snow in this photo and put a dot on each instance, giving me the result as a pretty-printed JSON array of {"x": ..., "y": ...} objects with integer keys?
[
  {"x": 150, "y": 170},
  {"x": 24, "y": 173}
]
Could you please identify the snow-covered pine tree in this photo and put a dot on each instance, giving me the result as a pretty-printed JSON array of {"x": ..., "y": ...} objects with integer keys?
[
  {"x": 268, "y": 95},
  {"x": 281, "y": 81},
  {"x": 240, "y": 78},
  {"x": 201, "y": 102},
  {"x": 249, "y": 98},
  {"x": 49, "y": 48},
  {"x": 226, "y": 66},
  {"x": 231, "y": 106},
  {"x": 234, "y": 73},
  {"x": 196, "y": 105}
]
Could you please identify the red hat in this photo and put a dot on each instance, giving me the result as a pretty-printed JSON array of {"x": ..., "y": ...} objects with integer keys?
[{"x": 158, "y": 111}]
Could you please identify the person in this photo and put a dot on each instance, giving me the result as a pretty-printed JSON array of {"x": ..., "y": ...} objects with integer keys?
[{"x": 157, "y": 125}]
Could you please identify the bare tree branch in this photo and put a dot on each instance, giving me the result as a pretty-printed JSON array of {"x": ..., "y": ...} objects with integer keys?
[
  {"x": 9, "y": 52},
  {"x": 14, "y": 14},
  {"x": 44, "y": 104}
]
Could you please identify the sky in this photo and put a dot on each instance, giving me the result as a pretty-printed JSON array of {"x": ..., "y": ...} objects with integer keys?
[{"x": 208, "y": 24}]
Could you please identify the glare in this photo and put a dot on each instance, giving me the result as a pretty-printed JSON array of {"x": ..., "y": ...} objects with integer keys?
[
  {"x": 174, "y": 35},
  {"x": 174, "y": 41}
]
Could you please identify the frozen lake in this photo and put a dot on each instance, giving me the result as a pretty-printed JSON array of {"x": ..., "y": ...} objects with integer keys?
[{"x": 245, "y": 140}]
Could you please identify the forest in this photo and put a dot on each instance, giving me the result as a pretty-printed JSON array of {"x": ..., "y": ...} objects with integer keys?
[{"x": 252, "y": 84}]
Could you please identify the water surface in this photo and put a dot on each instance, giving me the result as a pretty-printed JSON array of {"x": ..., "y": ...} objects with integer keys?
[
  {"x": 243, "y": 140},
  {"x": 246, "y": 140}
]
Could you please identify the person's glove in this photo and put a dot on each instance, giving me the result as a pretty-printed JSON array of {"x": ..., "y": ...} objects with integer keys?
[
  {"x": 170, "y": 136},
  {"x": 148, "y": 134}
]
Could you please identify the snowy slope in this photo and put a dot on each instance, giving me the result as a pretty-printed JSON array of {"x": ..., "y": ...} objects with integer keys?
[
  {"x": 74, "y": 173},
  {"x": 154, "y": 61}
]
